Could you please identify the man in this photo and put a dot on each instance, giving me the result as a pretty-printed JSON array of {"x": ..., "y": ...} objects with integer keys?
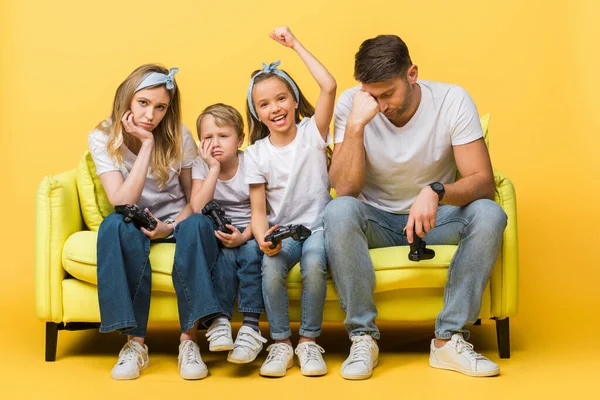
[{"x": 399, "y": 143}]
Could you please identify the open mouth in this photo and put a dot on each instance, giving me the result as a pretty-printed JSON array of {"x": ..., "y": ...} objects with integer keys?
[{"x": 280, "y": 120}]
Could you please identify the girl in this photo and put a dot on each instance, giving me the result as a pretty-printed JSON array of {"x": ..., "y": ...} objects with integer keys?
[
  {"x": 218, "y": 174},
  {"x": 286, "y": 167},
  {"x": 143, "y": 156}
]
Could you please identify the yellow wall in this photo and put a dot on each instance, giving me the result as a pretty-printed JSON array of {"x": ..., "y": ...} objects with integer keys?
[{"x": 532, "y": 65}]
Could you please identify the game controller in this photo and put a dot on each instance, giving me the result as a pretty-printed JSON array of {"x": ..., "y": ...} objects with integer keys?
[
  {"x": 418, "y": 251},
  {"x": 216, "y": 213},
  {"x": 296, "y": 232},
  {"x": 140, "y": 218}
]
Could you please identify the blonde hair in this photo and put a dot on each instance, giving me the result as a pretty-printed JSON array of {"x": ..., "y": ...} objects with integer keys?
[
  {"x": 224, "y": 115},
  {"x": 167, "y": 135},
  {"x": 258, "y": 130}
]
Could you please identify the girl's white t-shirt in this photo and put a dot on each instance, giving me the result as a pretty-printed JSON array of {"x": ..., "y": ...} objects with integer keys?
[
  {"x": 232, "y": 195},
  {"x": 164, "y": 203},
  {"x": 296, "y": 178}
]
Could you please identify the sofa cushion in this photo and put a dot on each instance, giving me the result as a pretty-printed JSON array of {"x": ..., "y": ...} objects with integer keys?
[
  {"x": 392, "y": 267},
  {"x": 94, "y": 203}
]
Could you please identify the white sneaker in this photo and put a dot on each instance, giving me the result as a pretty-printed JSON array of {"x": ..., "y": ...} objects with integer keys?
[
  {"x": 133, "y": 358},
  {"x": 279, "y": 360},
  {"x": 248, "y": 344},
  {"x": 458, "y": 355},
  {"x": 311, "y": 360},
  {"x": 364, "y": 356},
  {"x": 219, "y": 335},
  {"x": 191, "y": 365}
]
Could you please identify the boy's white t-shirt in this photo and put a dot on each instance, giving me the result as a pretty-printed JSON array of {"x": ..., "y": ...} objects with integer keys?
[
  {"x": 297, "y": 182},
  {"x": 164, "y": 203},
  {"x": 402, "y": 161},
  {"x": 232, "y": 195}
]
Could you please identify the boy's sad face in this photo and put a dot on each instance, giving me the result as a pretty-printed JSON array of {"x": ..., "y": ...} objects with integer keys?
[{"x": 224, "y": 139}]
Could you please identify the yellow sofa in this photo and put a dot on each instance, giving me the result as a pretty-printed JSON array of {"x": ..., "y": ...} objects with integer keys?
[{"x": 65, "y": 269}]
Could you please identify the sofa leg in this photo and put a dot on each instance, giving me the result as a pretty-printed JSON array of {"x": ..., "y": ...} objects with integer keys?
[
  {"x": 503, "y": 334},
  {"x": 477, "y": 323},
  {"x": 51, "y": 339}
]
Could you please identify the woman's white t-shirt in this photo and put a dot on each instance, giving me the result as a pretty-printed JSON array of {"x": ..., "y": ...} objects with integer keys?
[{"x": 164, "y": 203}]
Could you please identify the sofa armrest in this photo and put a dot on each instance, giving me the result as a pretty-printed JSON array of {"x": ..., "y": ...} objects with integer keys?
[
  {"x": 505, "y": 277},
  {"x": 57, "y": 216}
]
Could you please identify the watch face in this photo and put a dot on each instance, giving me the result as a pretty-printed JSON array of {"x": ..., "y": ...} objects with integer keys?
[{"x": 438, "y": 187}]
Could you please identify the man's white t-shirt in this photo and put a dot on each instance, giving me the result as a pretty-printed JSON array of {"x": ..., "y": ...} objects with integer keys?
[
  {"x": 232, "y": 195},
  {"x": 402, "y": 161},
  {"x": 297, "y": 182},
  {"x": 164, "y": 203}
]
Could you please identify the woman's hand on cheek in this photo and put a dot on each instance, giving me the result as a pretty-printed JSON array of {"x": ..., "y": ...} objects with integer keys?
[{"x": 133, "y": 129}]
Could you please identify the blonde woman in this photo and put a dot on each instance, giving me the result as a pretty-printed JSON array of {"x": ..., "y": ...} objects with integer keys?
[{"x": 143, "y": 155}]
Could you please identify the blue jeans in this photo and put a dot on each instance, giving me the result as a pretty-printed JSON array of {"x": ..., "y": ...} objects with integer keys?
[
  {"x": 238, "y": 272},
  {"x": 313, "y": 267},
  {"x": 125, "y": 275},
  {"x": 352, "y": 228}
]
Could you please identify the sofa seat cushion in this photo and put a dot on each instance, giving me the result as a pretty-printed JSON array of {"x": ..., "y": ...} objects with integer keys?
[{"x": 392, "y": 267}]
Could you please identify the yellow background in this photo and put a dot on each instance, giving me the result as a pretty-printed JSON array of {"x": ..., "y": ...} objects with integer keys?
[{"x": 533, "y": 65}]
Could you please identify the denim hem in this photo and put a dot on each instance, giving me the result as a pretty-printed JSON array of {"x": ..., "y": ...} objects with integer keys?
[
  {"x": 281, "y": 336},
  {"x": 251, "y": 310},
  {"x": 310, "y": 334},
  {"x": 204, "y": 313},
  {"x": 448, "y": 335},
  {"x": 136, "y": 333},
  {"x": 374, "y": 334},
  {"x": 132, "y": 324}
]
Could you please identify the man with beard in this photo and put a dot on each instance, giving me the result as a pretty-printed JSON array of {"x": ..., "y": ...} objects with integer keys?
[{"x": 399, "y": 143}]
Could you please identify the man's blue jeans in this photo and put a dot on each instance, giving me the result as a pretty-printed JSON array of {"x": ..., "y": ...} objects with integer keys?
[
  {"x": 238, "y": 272},
  {"x": 353, "y": 227},
  {"x": 313, "y": 267},
  {"x": 125, "y": 276}
]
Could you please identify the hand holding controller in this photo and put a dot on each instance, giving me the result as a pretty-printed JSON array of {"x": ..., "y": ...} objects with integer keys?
[
  {"x": 140, "y": 218},
  {"x": 296, "y": 232},
  {"x": 216, "y": 213}
]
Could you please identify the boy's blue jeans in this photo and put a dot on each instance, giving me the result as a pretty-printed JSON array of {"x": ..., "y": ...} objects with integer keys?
[
  {"x": 353, "y": 227},
  {"x": 125, "y": 277},
  {"x": 237, "y": 271},
  {"x": 313, "y": 266}
]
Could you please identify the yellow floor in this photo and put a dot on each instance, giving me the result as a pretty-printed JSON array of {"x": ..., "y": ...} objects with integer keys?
[{"x": 538, "y": 368}]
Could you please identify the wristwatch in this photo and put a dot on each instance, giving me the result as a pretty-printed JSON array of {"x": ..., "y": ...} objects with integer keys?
[
  {"x": 439, "y": 189},
  {"x": 172, "y": 222}
]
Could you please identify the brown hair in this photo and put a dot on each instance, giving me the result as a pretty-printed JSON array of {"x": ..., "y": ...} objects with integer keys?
[
  {"x": 167, "y": 135},
  {"x": 381, "y": 58},
  {"x": 258, "y": 130},
  {"x": 224, "y": 115}
]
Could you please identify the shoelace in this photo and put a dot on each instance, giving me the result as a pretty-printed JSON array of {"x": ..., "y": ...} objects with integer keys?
[
  {"x": 361, "y": 349},
  {"x": 249, "y": 340},
  {"x": 277, "y": 352},
  {"x": 217, "y": 331},
  {"x": 309, "y": 351},
  {"x": 466, "y": 348},
  {"x": 130, "y": 354},
  {"x": 190, "y": 353}
]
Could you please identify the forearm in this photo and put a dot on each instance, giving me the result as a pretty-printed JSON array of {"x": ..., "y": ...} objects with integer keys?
[
  {"x": 260, "y": 226},
  {"x": 205, "y": 193},
  {"x": 131, "y": 189},
  {"x": 324, "y": 79},
  {"x": 468, "y": 189},
  {"x": 347, "y": 171},
  {"x": 247, "y": 234},
  {"x": 186, "y": 212}
]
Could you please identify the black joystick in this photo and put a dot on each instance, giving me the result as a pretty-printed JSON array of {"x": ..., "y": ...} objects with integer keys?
[
  {"x": 418, "y": 251},
  {"x": 296, "y": 232},
  {"x": 216, "y": 213},
  {"x": 140, "y": 218}
]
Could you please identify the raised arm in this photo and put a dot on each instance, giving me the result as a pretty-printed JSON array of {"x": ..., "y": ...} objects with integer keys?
[
  {"x": 326, "y": 82},
  {"x": 203, "y": 190}
]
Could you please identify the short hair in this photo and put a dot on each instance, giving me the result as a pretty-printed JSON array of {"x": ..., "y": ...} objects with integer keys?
[
  {"x": 224, "y": 115},
  {"x": 381, "y": 58}
]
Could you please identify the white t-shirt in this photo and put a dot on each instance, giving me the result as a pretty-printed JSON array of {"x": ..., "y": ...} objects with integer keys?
[
  {"x": 164, "y": 203},
  {"x": 232, "y": 195},
  {"x": 297, "y": 182},
  {"x": 402, "y": 161}
]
